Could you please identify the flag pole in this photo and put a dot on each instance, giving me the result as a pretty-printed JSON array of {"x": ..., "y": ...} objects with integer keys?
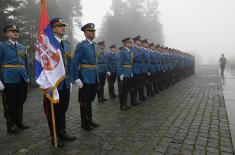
[
  {"x": 43, "y": 23},
  {"x": 53, "y": 124}
]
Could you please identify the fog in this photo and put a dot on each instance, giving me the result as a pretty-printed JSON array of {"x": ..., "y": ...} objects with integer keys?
[{"x": 205, "y": 28}]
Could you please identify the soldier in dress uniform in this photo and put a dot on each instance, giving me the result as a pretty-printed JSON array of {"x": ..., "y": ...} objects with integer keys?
[
  {"x": 153, "y": 63},
  {"x": 119, "y": 81},
  {"x": 102, "y": 70},
  {"x": 58, "y": 26},
  {"x": 85, "y": 75},
  {"x": 146, "y": 65},
  {"x": 165, "y": 68},
  {"x": 112, "y": 63},
  {"x": 14, "y": 79},
  {"x": 137, "y": 81},
  {"x": 158, "y": 70},
  {"x": 168, "y": 67},
  {"x": 161, "y": 68},
  {"x": 125, "y": 72}
]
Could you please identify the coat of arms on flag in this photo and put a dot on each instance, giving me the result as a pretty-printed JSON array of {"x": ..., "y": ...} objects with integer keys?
[{"x": 49, "y": 66}]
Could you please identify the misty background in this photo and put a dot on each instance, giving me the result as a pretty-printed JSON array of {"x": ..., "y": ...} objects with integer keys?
[{"x": 204, "y": 28}]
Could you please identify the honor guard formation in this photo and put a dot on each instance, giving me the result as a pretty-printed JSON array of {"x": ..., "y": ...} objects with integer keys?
[{"x": 141, "y": 69}]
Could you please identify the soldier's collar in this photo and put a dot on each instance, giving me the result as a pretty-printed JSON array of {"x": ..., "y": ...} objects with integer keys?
[
  {"x": 58, "y": 39},
  {"x": 91, "y": 42},
  {"x": 137, "y": 46},
  {"x": 13, "y": 42},
  {"x": 127, "y": 49}
]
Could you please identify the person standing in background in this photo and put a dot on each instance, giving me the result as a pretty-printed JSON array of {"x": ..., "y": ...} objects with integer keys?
[
  {"x": 101, "y": 57},
  {"x": 112, "y": 63},
  {"x": 222, "y": 62}
]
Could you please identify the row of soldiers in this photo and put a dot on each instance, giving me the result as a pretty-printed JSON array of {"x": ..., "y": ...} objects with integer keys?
[
  {"x": 138, "y": 66},
  {"x": 134, "y": 67}
]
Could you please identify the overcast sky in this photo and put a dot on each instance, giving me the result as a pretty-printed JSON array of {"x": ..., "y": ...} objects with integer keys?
[{"x": 206, "y": 27}]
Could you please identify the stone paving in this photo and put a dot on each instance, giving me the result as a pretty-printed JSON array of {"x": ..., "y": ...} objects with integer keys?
[{"x": 187, "y": 118}]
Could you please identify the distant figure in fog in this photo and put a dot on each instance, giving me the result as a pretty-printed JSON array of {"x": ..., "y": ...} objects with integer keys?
[{"x": 222, "y": 62}]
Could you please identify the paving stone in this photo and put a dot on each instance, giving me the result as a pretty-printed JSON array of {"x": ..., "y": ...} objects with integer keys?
[{"x": 187, "y": 118}]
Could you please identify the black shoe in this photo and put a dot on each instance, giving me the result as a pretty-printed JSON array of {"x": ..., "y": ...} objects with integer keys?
[
  {"x": 12, "y": 129},
  {"x": 87, "y": 127},
  {"x": 101, "y": 100},
  {"x": 142, "y": 99},
  {"x": 152, "y": 95},
  {"x": 60, "y": 143},
  {"x": 156, "y": 91},
  {"x": 104, "y": 99},
  {"x": 113, "y": 96},
  {"x": 123, "y": 108},
  {"x": 139, "y": 103},
  {"x": 22, "y": 126},
  {"x": 66, "y": 137},
  {"x": 94, "y": 124},
  {"x": 134, "y": 104}
]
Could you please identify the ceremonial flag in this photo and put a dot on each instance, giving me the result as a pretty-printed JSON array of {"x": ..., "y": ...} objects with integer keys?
[{"x": 49, "y": 66}]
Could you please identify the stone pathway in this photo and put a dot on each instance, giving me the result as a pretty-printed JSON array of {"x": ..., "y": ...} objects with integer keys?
[{"x": 187, "y": 118}]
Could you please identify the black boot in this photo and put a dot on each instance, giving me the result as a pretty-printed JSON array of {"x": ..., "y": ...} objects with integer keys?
[
  {"x": 141, "y": 94},
  {"x": 124, "y": 108},
  {"x": 155, "y": 88},
  {"x": 100, "y": 100},
  {"x": 104, "y": 99},
  {"x": 62, "y": 133},
  {"x": 12, "y": 127},
  {"x": 84, "y": 122},
  {"x": 22, "y": 126},
  {"x": 151, "y": 90},
  {"x": 102, "y": 95},
  {"x": 19, "y": 119},
  {"x": 133, "y": 97},
  {"x": 110, "y": 87},
  {"x": 99, "y": 94},
  {"x": 113, "y": 96},
  {"x": 89, "y": 116},
  {"x": 112, "y": 93},
  {"x": 60, "y": 143},
  {"x": 66, "y": 137},
  {"x": 123, "y": 103}
]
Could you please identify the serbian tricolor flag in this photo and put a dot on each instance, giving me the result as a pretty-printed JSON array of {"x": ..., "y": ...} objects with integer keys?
[{"x": 49, "y": 65}]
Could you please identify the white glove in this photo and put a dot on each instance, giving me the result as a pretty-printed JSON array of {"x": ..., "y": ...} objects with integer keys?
[
  {"x": 1, "y": 86},
  {"x": 149, "y": 73},
  {"x": 27, "y": 80},
  {"x": 121, "y": 77},
  {"x": 108, "y": 73},
  {"x": 79, "y": 83},
  {"x": 131, "y": 74},
  {"x": 71, "y": 87}
]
